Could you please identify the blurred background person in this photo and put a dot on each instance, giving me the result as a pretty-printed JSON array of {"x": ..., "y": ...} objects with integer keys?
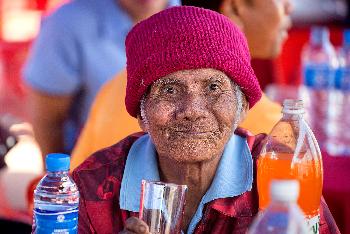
[
  {"x": 80, "y": 46},
  {"x": 108, "y": 121}
]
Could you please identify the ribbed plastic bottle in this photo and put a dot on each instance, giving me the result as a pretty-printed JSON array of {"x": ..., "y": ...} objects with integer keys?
[
  {"x": 56, "y": 198},
  {"x": 338, "y": 142},
  {"x": 319, "y": 65},
  {"x": 292, "y": 152},
  {"x": 283, "y": 215}
]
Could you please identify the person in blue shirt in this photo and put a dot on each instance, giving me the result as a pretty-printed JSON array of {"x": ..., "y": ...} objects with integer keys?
[{"x": 80, "y": 46}]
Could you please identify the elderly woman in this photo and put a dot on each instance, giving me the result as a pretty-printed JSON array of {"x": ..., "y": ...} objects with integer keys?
[{"x": 190, "y": 84}]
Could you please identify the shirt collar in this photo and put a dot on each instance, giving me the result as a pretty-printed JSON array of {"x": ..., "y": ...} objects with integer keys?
[
  {"x": 233, "y": 177},
  {"x": 141, "y": 164}
]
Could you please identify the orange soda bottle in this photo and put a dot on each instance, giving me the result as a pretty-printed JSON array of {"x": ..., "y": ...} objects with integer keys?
[{"x": 292, "y": 152}]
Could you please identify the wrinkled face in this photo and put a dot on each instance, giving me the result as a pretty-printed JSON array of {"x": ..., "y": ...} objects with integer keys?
[
  {"x": 191, "y": 114},
  {"x": 265, "y": 24},
  {"x": 141, "y": 9}
]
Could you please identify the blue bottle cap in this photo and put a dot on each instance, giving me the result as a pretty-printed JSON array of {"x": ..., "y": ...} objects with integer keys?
[
  {"x": 57, "y": 162},
  {"x": 346, "y": 39},
  {"x": 319, "y": 35}
]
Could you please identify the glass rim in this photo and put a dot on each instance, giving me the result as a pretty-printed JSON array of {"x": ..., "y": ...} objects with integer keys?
[{"x": 165, "y": 184}]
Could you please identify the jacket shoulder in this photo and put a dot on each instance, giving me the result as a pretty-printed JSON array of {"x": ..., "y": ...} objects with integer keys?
[
  {"x": 109, "y": 155},
  {"x": 106, "y": 165},
  {"x": 99, "y": 179}
]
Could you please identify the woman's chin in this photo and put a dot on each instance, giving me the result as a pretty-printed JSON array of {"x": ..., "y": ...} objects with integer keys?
[{"x": 192, "y": 155}]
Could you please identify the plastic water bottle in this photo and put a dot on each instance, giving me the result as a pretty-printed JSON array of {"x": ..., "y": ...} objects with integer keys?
[
  {"x": 56, "y": 198},
  {"x": 319, "y": 64},
  {"x": 292, "y": 152},
  {"x": 283, "y": 215},
  {"x": 338, "y": 142}
]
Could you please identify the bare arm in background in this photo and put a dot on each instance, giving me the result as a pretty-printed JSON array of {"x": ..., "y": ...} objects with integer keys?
[
  {"x": 318, "y": 11},
  {"x": 48, "y": 114}
]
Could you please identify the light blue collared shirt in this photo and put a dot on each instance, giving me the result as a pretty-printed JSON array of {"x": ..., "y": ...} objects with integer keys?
[{"x": 233, "y": 177}]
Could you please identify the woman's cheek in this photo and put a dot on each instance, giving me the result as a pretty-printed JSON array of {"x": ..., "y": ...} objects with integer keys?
[
  {"x": 160, "y": 113},
  {"x": 225, "y": 110}
]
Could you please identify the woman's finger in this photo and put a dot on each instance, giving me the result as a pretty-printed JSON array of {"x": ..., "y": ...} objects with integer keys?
[{"x": 136, "y": 225}]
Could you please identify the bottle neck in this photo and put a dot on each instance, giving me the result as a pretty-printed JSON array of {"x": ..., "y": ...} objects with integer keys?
[
  {"x": 319, "y": 37},
  {"x": 293, "y": 109},
  {"x": 278, "y": 203},
  {"x": 321, "y": 43},
  {"x": 57, "y": 173},
  {"x": 288, "y": 116},
  {"x": 292, "y": 112}
]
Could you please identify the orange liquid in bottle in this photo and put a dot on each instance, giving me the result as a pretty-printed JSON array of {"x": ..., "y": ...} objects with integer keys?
[{"x": 307, "y": 172}]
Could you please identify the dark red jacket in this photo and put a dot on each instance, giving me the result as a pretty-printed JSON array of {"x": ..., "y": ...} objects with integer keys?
[{"x": 99, "y": 180}]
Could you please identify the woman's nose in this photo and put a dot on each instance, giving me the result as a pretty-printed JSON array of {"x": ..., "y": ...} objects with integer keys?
[{"x": 193, "y": 107}]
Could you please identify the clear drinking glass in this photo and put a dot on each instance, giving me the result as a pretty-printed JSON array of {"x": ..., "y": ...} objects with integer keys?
[{"x": 162, "y": 206}]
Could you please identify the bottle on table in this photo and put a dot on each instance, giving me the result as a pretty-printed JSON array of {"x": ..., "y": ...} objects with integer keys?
[
  {"x": 292, "y": 152},
  {"x": 56, "y": 198},
  {"x": 319, "y": 65},
  {"x": 283, "y": 215},
  {"x": 338, "y": 142}
]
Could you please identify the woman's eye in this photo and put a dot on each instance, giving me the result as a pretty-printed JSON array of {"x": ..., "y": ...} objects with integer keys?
[
  {"x": 214, "y": 87},
  {"x": 169, "y": 90}
]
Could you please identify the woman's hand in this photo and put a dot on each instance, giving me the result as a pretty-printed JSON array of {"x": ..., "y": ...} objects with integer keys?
[{"x": 135, "y": 225}]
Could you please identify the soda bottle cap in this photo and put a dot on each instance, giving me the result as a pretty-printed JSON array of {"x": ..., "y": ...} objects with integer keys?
[
  {"x": 291, "y": 106},
  {"x": 57, "y": 162},
  {"x": 284, "y": 190},
  {"x": 319, "y": 35}
]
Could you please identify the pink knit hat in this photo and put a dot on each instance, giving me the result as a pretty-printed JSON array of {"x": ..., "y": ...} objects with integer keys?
[{"x": 183, "y": 38}]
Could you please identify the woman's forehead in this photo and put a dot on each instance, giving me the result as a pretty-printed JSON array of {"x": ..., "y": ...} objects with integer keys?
[{"x": 194, "y": 75}]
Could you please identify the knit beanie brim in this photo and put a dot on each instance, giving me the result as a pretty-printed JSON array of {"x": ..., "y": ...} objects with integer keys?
[{"x": 183, "y": 38}]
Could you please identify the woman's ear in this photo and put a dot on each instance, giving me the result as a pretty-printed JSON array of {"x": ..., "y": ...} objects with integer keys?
[
  {"x": 142, "y": 124},
  {"x": 231, "y": 9}
]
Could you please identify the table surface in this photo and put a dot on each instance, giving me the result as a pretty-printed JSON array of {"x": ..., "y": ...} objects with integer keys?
[{"x": 336, "y": 189}]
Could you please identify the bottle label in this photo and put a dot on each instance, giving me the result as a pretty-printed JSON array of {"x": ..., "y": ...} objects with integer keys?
[
  {"x": 318, "y": 76},
  {"x": 342, "y": 79},
  {"x": 55, "y": 222},
  {"x": 314, "y": 224}
]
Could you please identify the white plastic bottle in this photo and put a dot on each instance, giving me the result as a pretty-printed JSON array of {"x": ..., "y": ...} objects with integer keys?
[
  {"x": 319, "y": 64},
  {"x": 283, "y": 215},
  {"x": 338, "y": 143},
  {"x": 56, "y": 198}
]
